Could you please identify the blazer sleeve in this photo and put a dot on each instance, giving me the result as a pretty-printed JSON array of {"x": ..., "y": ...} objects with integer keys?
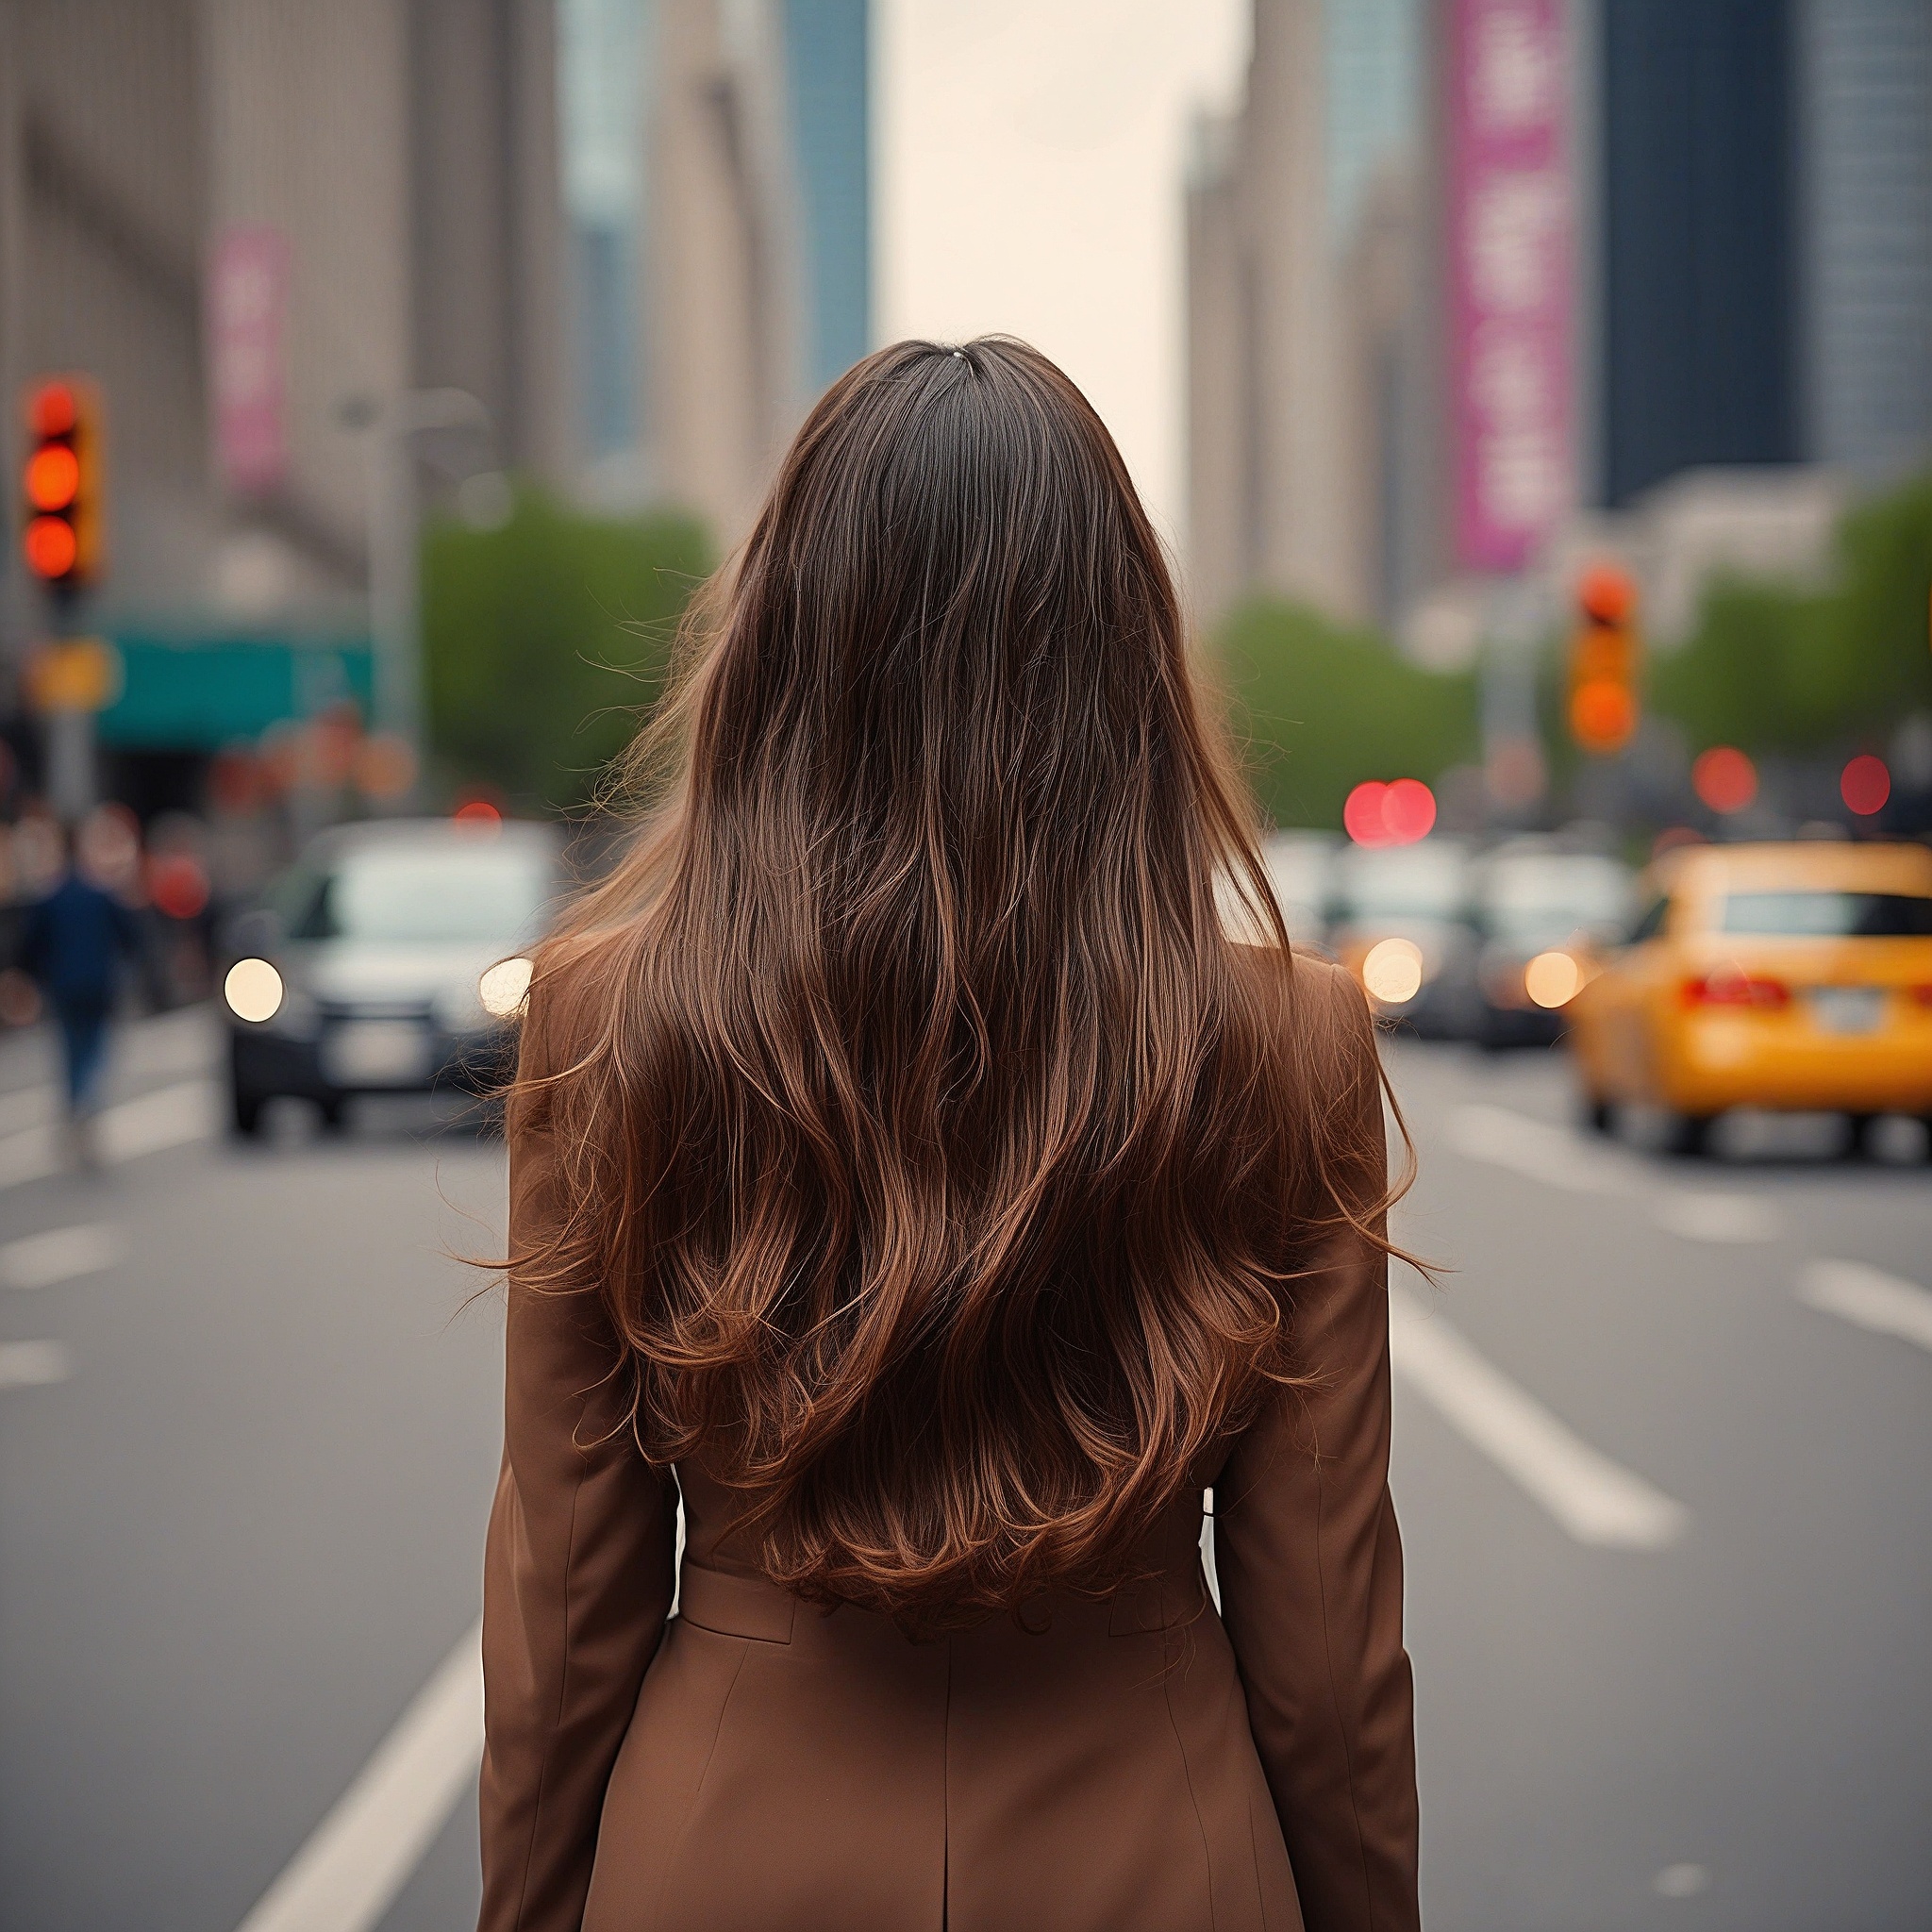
[
  {"x": 578, "y": 1571},
  {"x": 1307, "y": 1551}
]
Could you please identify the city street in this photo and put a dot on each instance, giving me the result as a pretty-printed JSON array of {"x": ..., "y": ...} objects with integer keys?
[{"x": 1661, "y": 1442}]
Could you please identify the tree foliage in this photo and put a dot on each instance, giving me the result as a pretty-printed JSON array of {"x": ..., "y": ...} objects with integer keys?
[
  {"x": 545, "y": 640},
  {"x": 1318, "y": 708},
  {"x": 1776, "y": 670}
]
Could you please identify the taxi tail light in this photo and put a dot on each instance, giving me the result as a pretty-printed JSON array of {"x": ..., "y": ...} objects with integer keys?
[
  {"x": 1923, "y": 996},
  {"x": 1734, "y": 988}
]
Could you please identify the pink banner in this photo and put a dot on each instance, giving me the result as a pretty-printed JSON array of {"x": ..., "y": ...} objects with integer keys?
[
  {"x": 1511, "y": 271},
  {"x": 247, "y": 315}
]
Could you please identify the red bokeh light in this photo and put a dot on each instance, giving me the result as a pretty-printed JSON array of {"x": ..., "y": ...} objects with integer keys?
[
  {"x": 51, "y": 546},
  {"x": 1607, "y": 594},
  {"x": 478, "y": 812},
  {"x": 1724, "y": 778},
  {"x": 1408, "y": 810},
  {"x": 1865, "y": 784},
  {"x": 1396, "y": 814},
  {"x": 53, "y": 477},
  {"x": 177, "y": 885},
  {"x": 53, "y": 410},
  {"x": 1361, "y": 815},
  {"x": 1602, "y": 715}
]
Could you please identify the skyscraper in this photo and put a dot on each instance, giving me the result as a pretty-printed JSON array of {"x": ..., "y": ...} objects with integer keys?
[
  {"x": 1699, "y": 259},
  {"x": 1866, "y": 212}
]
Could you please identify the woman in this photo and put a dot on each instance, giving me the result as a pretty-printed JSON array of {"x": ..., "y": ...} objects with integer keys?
[{"x": 909, "y": 1175}]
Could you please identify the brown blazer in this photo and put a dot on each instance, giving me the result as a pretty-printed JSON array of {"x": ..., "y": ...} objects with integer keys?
[{"x": 749, "y": 1763}]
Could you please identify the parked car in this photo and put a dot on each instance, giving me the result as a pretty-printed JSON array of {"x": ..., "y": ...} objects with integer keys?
[
  {"x": 1545, "y": 919},
  {"x": 1780, "y": 977},
  {"x": 1400, "y": 923},
  {"x": 389, "y": 959}
]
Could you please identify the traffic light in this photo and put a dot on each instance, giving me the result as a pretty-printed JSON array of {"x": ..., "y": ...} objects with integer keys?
[
  {"x": 60, "y": 482},
  {"x": 1605, "y": 658}
]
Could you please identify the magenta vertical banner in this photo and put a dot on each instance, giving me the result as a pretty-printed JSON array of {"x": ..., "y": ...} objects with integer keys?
[
  {"x": 247, "y": 319},
  {"x": 1511, "y": 277}
]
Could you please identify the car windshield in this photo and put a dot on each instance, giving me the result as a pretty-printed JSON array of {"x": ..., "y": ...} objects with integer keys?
[
  {"x": 1426, "y": 881},
  {"x": 1551, "y": 895},
  {"x": 426, "y": 895},
  {"x": 1830, "y": 915}
]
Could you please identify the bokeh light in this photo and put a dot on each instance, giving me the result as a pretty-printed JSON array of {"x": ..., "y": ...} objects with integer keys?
[
  {"x": 53, "y": 477},
  {"x": 50, "y": 546},
  {"x": 479, "y": 814},
  {"x": 1865, "y": 784},
  {"x": 504, "y": 987},
  {"x": 1552, "y": 979},
  {"x": 1392, "y": 971},
  {"x": 1724, "y": 778},
  {"x": 253, "y": 990},
  {"x": 1393, "y": 814}
]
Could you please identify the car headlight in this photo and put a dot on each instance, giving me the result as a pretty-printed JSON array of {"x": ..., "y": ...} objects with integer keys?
[
  {"x": 504, "y": 988},
  {"x": 253, "y": 990},
  {"x": 1553, "y": 980}
]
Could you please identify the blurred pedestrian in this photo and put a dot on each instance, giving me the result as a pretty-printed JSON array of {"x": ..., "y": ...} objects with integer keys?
[
  {"x": 74, "y": 941},
  {"x": 916, "y": 1183}
]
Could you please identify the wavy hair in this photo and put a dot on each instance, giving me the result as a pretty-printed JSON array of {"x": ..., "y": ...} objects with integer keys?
[{"x": 943, "y": 1164}]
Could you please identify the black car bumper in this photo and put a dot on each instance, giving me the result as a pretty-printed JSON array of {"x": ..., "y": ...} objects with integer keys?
[{"x": 267, "y": 1065}]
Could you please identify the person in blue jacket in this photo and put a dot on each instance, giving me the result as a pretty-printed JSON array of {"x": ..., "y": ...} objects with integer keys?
[{"x": 72, "y": 943}]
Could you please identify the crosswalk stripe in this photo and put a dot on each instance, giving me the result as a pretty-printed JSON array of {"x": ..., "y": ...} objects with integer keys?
[
  {"x": 1885, "y": 1304},
  {"x": 61, "y": 1254},
  {"x": 1596, "y": 1500},
  {"x": 170, "y": 1116},
  {"x": 362, "y": 1855},
  {"x": 34, "y": 1364}
]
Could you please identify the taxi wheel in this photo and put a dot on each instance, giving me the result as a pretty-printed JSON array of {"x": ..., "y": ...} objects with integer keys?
[
  {"x": 1597, "y": 1115},
  {"x": 1861, "y": 1141},
  {"x": 1688, "y": 1134}
]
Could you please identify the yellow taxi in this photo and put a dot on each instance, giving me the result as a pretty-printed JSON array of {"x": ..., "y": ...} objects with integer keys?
[{"x": 1780, "y": 977}]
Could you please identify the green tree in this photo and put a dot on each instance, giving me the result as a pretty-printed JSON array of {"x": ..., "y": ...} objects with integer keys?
[
  {"x": 546, "y": 638},
  {"x": 1319, "y": 708},
  {"x": 1773, "y": 669}
]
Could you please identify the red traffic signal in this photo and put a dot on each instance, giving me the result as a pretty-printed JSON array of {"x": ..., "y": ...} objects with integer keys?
[
  {"x": 1604, "y": 660},
  {"x": 60, "y": 481}
]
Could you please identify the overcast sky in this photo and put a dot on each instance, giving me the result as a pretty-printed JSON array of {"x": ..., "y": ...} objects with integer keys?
[{"x": 1029, "y": 170}]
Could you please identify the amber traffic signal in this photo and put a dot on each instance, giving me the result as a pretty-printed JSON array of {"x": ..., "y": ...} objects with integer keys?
[
  {"x": 61, "y": 481},
  {"x": 1605, "y": 660}
]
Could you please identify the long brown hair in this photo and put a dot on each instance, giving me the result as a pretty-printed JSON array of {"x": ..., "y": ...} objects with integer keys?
[{"x": 943, "y": 1165}]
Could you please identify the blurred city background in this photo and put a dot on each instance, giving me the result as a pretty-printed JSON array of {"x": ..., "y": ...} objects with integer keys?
[{"x": 1537, "y": 397}]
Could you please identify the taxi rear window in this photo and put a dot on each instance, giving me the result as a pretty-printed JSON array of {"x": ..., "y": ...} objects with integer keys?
[{"x": 1830, "y": 915}]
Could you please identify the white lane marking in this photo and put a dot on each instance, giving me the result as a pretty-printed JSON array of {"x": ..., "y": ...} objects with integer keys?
[
  {"x": 1883, "y": 1302},
  {"x": 62, "y": 1253},
  {"x": 1714, "y": 1217},
  {"x": 168, "y": 1117},
  {"x": 1532, "y": 1148},
  {"x": 30, "y": 1155},
  {"x": 26, "y": 1107},
  {"x": 1596, "y": 1501},
  {"x": 34, "y": 1364},
  {"x": 1559, "y": 1158},
  {"x": 362, "y": 1855}
]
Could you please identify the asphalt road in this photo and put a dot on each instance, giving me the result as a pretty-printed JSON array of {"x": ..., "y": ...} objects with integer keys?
[{"x": 1663, "y": 1443}]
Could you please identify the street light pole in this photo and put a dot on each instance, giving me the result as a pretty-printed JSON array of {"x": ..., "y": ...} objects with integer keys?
[{"x": 394, "y": 536}]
